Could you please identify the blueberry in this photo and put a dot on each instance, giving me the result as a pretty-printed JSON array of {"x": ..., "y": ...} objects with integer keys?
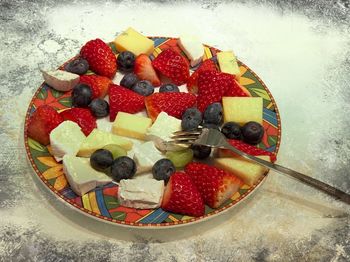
[
  {"x": 123, "y": 168},
  {"x": 213, "y": 114},
  {"x": 232, "y": 130},
  {"x": 129, "y": 80},
  {"x": 167, "y": 88},
  {"x": 101, "y": 159},
  {"x": 191, "y": 118},
  {"x": 252, "y": 133},
  {"x": 163, "y": 169},
  {"x": 81, "y": 95},
  {"x": 78, "y": 66},
  {"x": 211, "y": 125},
  {"x": 143, "y": 87},
  {"x": 99, "y": 107},
  {"x": 201, "y": 152},
  {"x": 126, "y": 61}
]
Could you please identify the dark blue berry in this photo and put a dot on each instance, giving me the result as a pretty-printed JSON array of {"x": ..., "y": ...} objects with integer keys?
[
  {"x": 78, "y": 66},
  {"x": 99, "y": 107},
  {"x": 252, "y": 133},
  {"x": 81, "y": 95},
  {"x": 101, "y": 159},
  {"x": 232, "y": 130},
  {"x": 167, "y": 88},
  {"x": 129, "y": 80},
  {"x": 123, "y": 168},
  {"x": 143, "y": 87},
  {"x": 201, "y": 152},
  {"x": 191, "y": 118},
  {"x": 126, "y": 61},
  {"x": 213, "y": 114},
  {"x": 163, "y": 169}
]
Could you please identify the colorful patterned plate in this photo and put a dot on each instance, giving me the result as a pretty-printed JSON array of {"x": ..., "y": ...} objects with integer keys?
[{"x": 102, "y": 203}]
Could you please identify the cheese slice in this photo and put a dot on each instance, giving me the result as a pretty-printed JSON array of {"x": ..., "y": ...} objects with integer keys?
[
  {"x": 133, "y": 41},
  {"x": 81, "y": 177},
  {"x": 140, "y": 192},
  {"x": 61, "y": 80},
  {"x": 98, "y": 139},
  {"x": 228, "y": 63},
  {"x": 242, "y": 109},
  {"x": 66, "y": 138},
  {"x": 162, "y": 129},
  {"x": 130, "y": 125},
  {"x": 145, "y": 155},
  {"x": 193, "y": 48}
]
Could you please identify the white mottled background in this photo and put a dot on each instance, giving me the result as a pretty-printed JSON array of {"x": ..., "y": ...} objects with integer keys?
[{"x": 300, "y": 49}]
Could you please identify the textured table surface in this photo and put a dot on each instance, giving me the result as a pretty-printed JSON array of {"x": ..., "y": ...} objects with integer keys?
[{"x": 301, "y": 51}]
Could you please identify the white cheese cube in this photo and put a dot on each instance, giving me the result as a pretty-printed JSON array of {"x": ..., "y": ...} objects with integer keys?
[
  {"x": 145, "y": 155},
  {"x": 162, "y": 129},
  {"x": 193, "y": 48},
  {"x": 81, "y": 176},
  {"x": 66, "y": 138},
  {"x": 140, "y": 192}
]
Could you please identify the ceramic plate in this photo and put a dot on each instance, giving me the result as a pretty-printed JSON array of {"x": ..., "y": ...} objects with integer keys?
[{"x": 102, "y": 203}]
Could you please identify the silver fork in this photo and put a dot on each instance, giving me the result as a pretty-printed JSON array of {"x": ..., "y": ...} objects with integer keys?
[{"x": 214, "y": 138}]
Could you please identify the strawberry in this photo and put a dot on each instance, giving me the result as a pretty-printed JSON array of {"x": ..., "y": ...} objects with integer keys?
[
  {"x": 215, "y": 185},
  {"x": 181, "y": 196},
  {"x": 249, "y": 149},
  {"x": 100, "y": 58},
  {"x": 172, "y": 65},
  {"x": 42, "y": 122},
  {"x": 99, "y": 84},
  {"x": 213, "y": 85},
  {"x": 125, "y": 100},
  {"x": 144, "y": 70},
  {"x": 82, "y": 116},
  {"x": 172, "y": 103},
  {"x": 236, "y": 89},
  {"x": 192, "y": 82}
]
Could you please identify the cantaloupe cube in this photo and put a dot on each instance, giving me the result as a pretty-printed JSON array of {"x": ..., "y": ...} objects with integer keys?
[
  {"x": 228, "y": 63},
  {"x": 98, "y": 139},
  {"x": 246, "y": 170},
  {"x": 133, "y": 41},
  {"x": 130, "y": 125},
  {"x": 243, "y": 109}
]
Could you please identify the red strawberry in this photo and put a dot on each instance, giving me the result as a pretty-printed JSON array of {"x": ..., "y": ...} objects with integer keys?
[
  {"x": 173, "y": 104},
  {"x": 213, "y": 85},
  {"x": 125, "y": 100},
  {"x": 192, "y": 82},
  {"x": 82, "y": 116},
  {"x": 215, "y": 185},
  {"x": 236, "y": 89},
  {"x": 249, "y": 149},
  {"x": 173, "y": 65},
  {"x": 100, "y": 58},
  {"x": 181, "y": 196},
  {"x": 42, "y": 122},
  {"x": 99, "y": 84},
  {"x": 144, "y": 70}
]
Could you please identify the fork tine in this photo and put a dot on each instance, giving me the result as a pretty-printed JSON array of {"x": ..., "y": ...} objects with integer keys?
[
  {"x": 194, "y": 132},
  {"x": 184, "y": 136}
]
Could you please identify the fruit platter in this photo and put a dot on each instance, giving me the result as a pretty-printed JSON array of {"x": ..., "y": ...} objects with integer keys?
[{"x": 97, "y": 128}]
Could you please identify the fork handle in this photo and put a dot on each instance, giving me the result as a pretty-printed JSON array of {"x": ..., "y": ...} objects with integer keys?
[{"x": 328, "y": 189}]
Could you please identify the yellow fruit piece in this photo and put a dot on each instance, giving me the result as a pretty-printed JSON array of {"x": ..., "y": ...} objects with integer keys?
[
  {"x": 130, "y": 125},
  {"x": 246, "y": 170},
  {"x": 98, "y": 139},
  {"x": 243, "y": 109},
  {"x": 228, "y": 63},
  {"x": 133, "y": 41}
]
